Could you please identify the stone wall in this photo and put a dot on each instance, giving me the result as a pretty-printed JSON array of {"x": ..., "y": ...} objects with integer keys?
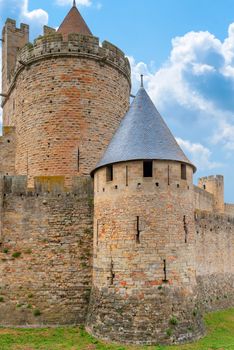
[
  {"x": 215, "y": 260},
  {"x": 229, "y": 209},
  {"x": 7, "y": 151},
  {"x": 75, "y": 95},
  {"x": 13, "y": 39},
  {"x": 144, "y": 283},
  {"x": 203, "y": 200},
  {"x": 215, "y": 186},
  {"x": 46, "y": 251}
]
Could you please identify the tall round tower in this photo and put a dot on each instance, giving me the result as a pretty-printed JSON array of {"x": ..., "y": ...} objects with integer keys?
[
  {"x": 144, "y": 281},
  {"x": 65, "y": 97}
]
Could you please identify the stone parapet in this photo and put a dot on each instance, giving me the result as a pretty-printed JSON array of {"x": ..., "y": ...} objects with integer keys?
[{"x": 83, "y": 46}]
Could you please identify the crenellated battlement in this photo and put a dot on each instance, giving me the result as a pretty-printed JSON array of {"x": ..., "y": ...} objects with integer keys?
[
  {"x": 53, "y": 46},
  {"x": 11, "y": 24},
  {"x": 46, "y": 186}
]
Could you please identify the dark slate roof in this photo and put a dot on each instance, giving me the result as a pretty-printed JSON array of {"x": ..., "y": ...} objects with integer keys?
[
  {"x": 142, "y": 135},
  {"x": 73, "y": 23}
]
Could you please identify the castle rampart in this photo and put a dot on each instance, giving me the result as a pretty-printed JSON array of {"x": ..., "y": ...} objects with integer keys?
[
  {"x": 214, "y": 260},
  {"x": 144, "y": 256},
  {"x": 46, "y": 251},
  {"x": 75, "y": 92},
  {"x": 7, "y": 151},
  {"x": 215, "y": 186},
  {"x": 13, "y": 40},
  {"x": 159, "y": 248}
]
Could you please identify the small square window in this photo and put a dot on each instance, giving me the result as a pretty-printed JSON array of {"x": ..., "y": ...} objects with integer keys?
[
  {"x": 109, "y": 173},
  {"x": 147, "y": 168}
]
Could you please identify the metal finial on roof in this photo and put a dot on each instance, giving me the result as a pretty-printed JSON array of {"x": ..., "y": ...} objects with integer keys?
[
  {"x": 142, "y": 80},
  {"x": 74, "y": 3}
]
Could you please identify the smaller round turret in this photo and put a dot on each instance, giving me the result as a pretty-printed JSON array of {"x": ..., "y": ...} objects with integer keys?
[{"x": 144, "y": 282}]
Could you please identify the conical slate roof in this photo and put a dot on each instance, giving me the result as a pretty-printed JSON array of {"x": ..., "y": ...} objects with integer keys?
[
  {"x": 142, "y": 135},
  {"x": 73, "y": 23}
]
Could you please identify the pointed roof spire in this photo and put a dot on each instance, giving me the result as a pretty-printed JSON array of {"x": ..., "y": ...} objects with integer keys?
[
  {"x": 142, "y": 80},
  {"x": 143, "y": 135},
  {"x": 73, "y": 23}
]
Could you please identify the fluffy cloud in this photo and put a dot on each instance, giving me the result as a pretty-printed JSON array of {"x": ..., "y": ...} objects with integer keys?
[
  {"x": 38, "y": 16},
  {"x": 70, "y": 2},
  {"x": 198, "y": 154},
  {"x": 198, "y": 78}
]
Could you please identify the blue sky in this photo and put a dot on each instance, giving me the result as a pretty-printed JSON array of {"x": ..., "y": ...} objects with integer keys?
[{"x": 185, "y": 49}]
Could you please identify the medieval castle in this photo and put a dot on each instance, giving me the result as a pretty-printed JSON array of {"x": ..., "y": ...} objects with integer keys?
[{"x": 95, "y": 229}]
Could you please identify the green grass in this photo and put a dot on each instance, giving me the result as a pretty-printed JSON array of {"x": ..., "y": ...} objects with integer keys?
[{"x": 220, "y": 336}]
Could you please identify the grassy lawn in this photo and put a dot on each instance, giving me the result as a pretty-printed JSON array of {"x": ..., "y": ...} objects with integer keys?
[{"x": 220, "y": 336}]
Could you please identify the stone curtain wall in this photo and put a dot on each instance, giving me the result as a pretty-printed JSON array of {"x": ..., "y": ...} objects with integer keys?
[
  {"x": 215, "y": 260},
  {"x": 144, "y": 285},
  {"x": 203, "y": 200},
  {"x": 46, "y": 251},
  {"x": 229, "y": 209},
  {"x": 75, "y": 95},
  {"x": 7, "y": 151}
]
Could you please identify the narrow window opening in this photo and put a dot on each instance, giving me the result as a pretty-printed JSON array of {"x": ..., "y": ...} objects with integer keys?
[
  {"x": 185, "y": 230},
  {"x": 183, "y": 172},
  {"x": 109, "y": 173},
  {"x": 148, "y": 168},
  {"x": 97, "y": 182},
  {"x": 97, "y": 232},
  {"x": 165, "y": 271},
  {"x": 204, "y": 187},
  {"x": 168, "y": 175},
  {"x": 138, "y": 230},
  {"x": 157, "y": 184},
  {"x": 78, "y": 160},
  {"x": 126, "y": 175},
  {"x": 112, "y": 274}
]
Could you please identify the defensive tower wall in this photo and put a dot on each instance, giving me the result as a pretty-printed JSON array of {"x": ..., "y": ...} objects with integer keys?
[
  {"x": 46, "y": 250},
  {"x": 75, "y": 93},
  {"x": 13, "y": 39},
  {"x": 215, "y": 186},
  {"x": 144, "y": 274},
  {"x": 7, "y": 151},
  {"x": 214, "y": 259}
]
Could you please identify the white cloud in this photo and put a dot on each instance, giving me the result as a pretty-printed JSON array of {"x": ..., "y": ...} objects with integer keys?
[
  {"x": 38, "y": 16},
  {"x": 199, "y": 154},
  {"x": 199, "y": 78},
  {"x": 70, "y": 2}
]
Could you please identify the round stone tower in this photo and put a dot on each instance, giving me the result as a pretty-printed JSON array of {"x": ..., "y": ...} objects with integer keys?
[
  {"x": 144, "y": 281},
  {"x": 65, "y": 96}
]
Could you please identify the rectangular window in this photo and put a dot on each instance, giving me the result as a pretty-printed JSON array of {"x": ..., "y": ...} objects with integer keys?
[
  {"x": 183, "y": 172},
  {"x": 109, "y": 173},
  {"x": 148, "y": 168}
]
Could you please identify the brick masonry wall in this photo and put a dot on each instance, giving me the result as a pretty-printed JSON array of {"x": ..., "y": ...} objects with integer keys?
[
  {"x": 215, "y": 260},
  {"x": 132, "y": 299},
  {"x": 215, "y": 186},
  {"x": 229, "y": 209},
  {"x": 13, "y": 39},
  {"x": 203, "y": 200},
  {"x": 7, "y": 151},
  {"x": 46, "y": 251},
  {"x": 75, "y": 95}
]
